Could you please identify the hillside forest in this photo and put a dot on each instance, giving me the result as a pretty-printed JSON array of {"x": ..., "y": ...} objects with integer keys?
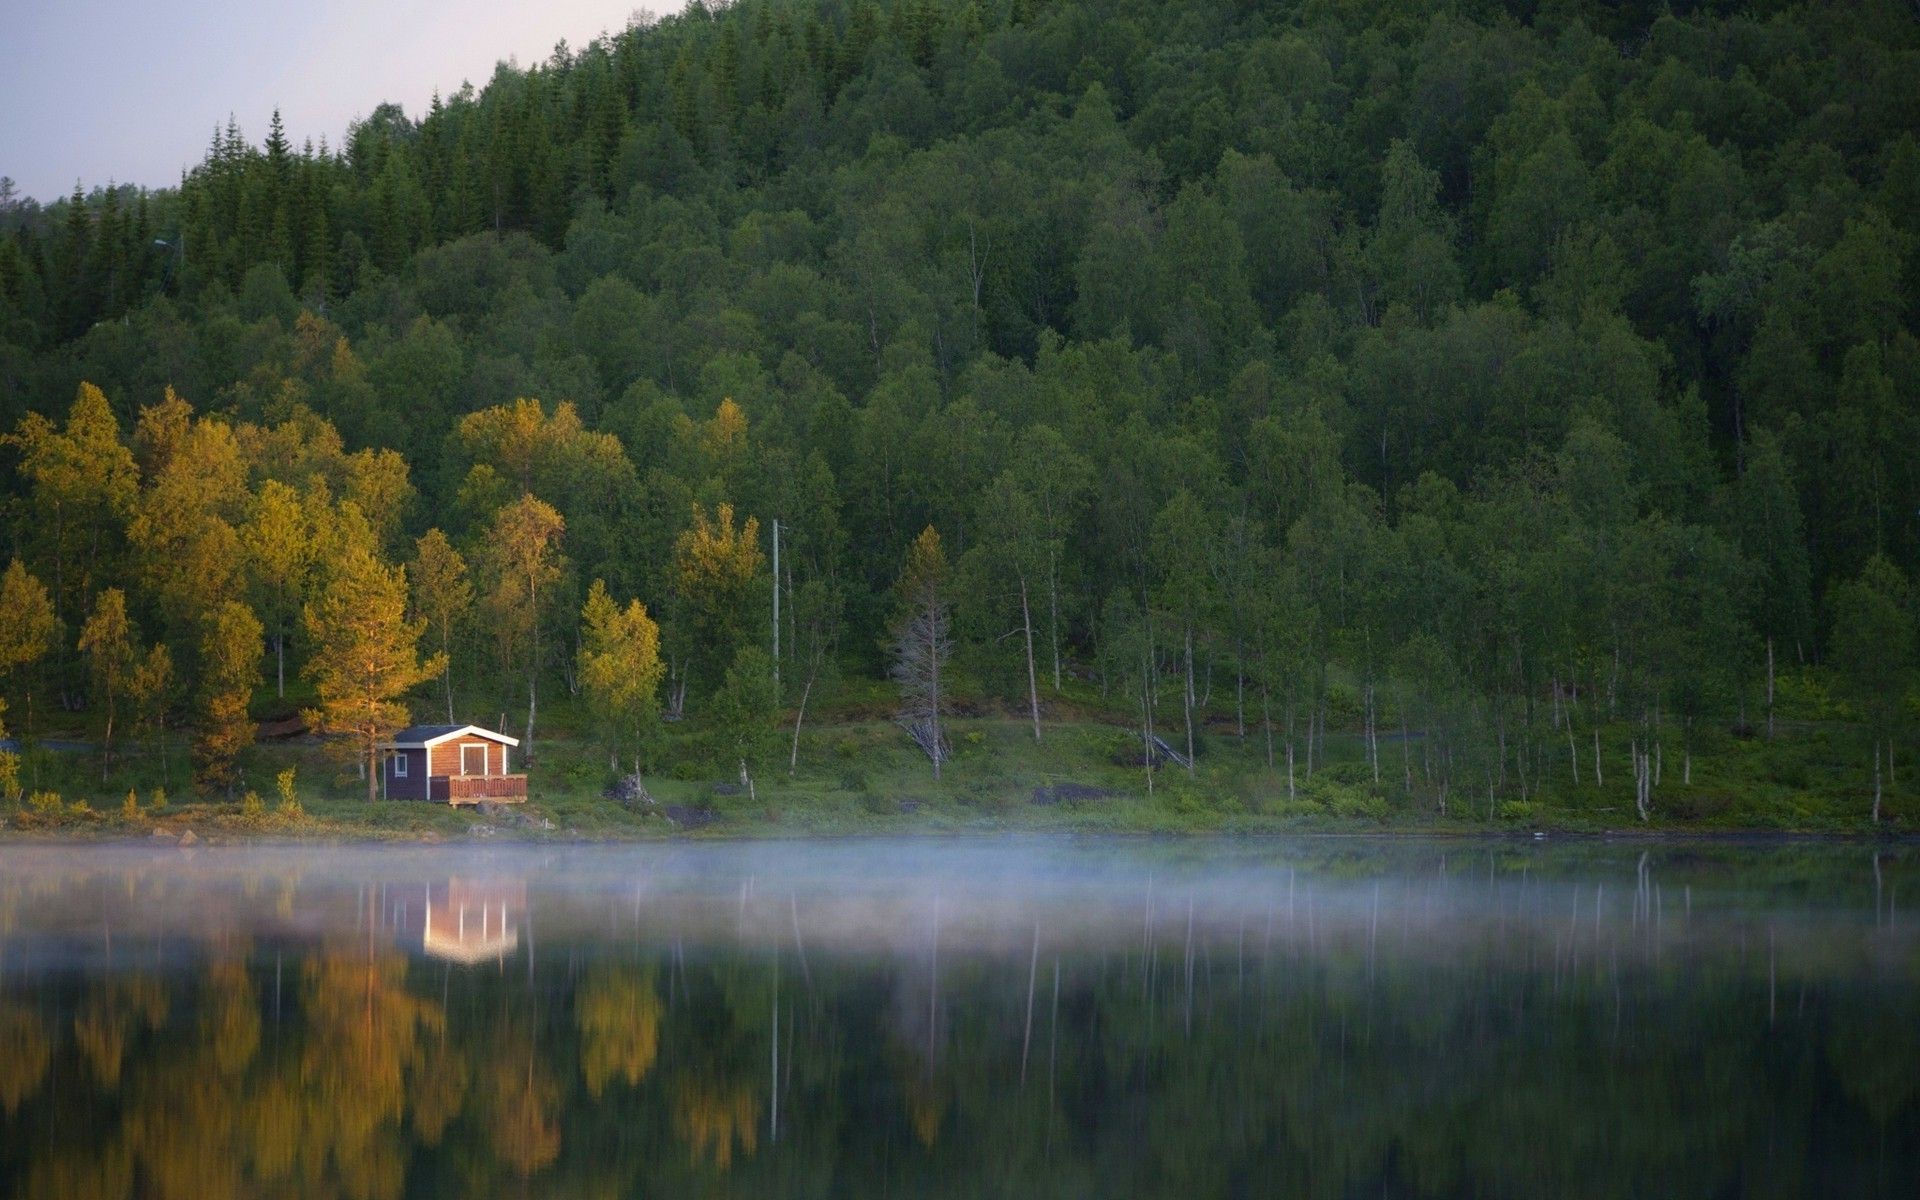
[{"x": 1523, "y": 392}]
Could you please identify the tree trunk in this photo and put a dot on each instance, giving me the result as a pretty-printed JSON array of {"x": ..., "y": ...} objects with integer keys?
[
  {"x": 1598, "y": 781},
  {"x": 280, "y": 663},
  {"x": 793, "y": 757},
  {"x": 1769, "y": 689},
  {"x": 1033, "y": 684},
  {"x": 1053, "y": 603},
  {"x": 373, "y": 771},
  {"x": 526, "y": 754},
  {"x": 1876, "y": 782},
  {"x": 1266, "y": 721},
  {"x": 446, "y": 673},
  {"x": 1188, "y": 699},
  {"x": 933, "y": 665}
]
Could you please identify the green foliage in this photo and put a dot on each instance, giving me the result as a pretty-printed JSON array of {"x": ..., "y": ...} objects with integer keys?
[{"x": 1489, "y": 376}]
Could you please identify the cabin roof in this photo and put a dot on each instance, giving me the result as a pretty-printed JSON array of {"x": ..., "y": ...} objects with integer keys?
[{"x": 422, "y": 737}]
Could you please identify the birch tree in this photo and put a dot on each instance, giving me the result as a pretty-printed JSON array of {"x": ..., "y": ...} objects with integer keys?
[
  {"x": 1873, "y": 647},
  {"x": 620, "y": 670},
  {"x": 1005, "y": 570},
  {"x": 922, "y": 643},
  {"x": 442, "y": 593},
  {"x": 523, "y": 549}
]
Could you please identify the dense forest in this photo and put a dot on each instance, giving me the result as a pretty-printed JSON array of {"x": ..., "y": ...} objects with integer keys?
[{"x": 1470, "y": 380}]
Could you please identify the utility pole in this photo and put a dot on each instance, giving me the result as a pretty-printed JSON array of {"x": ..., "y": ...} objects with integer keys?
[{"x": 776, "y": 604}]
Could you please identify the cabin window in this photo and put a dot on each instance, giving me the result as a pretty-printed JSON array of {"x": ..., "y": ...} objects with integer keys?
[
  {"x": 400, "y": 766},
  {"x": 473, "y": 760}
]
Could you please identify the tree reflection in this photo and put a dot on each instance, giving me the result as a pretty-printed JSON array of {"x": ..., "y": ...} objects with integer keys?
[{"x": 1539, "y": 1041}]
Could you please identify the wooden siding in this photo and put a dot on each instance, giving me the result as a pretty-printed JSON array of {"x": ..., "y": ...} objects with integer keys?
[
  {"x": 412, "y": 785},
  {"x": 446, "y": 756}
]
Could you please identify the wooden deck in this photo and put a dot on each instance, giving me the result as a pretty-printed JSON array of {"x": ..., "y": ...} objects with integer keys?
[{"x": 471, "y": 789}]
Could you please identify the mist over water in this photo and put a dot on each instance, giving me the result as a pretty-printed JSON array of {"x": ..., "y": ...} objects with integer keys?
[{"x": 1087, "y": 1016}]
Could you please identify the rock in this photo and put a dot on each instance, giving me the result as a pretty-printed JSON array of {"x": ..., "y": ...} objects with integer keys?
[
  {"x": 629, "y": 791},
  {"x": 1068, "y": 792},
  {"x": 161, "y": 835},
  {"x": 689, "y": 818},
  {"x": 188, "y": 839}
]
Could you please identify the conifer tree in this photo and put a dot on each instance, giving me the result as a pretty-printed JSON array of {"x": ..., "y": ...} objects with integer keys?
[
  {"x": 922, "y": 644},
  {"x": 365, "y": 657}
]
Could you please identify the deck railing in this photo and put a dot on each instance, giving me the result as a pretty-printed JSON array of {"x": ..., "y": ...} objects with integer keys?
[{"x": 486, "y": 787}]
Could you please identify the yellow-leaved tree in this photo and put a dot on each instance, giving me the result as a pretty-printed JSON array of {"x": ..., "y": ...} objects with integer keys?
[
  {"x": 620, "y": 669},
  {"x": 230, "y": 650},
  {"x": 365, "y": 656},
  {"x": 28, "y": 627},
  {"x": 716, "y": 570},
  {"x": 523, "y": 557},
  {"x": 442, "y": 594}
]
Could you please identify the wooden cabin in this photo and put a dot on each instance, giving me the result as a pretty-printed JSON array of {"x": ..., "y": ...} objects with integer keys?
[{"x": 450, "y": 764}]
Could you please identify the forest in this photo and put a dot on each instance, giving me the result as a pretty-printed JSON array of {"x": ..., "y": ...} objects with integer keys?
[{"x": 1480, "y": 409}]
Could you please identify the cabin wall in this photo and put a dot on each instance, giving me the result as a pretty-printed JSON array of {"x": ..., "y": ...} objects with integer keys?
[
  {"x": 412, "y": 785},
  {"x": 446, "y": 757}
]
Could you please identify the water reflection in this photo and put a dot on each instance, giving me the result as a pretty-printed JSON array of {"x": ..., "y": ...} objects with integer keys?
[{"x": 1327, "y": 1018}]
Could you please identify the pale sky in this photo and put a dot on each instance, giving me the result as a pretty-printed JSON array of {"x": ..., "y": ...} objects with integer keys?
[{"x": 131, "y": 91}]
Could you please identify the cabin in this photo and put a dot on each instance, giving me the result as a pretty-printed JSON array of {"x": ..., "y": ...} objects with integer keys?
[{"x": 450, "y": 764}]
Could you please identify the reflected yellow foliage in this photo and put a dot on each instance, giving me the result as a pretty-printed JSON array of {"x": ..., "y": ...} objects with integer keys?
[
  {"x": 24, "y": 1051},
  {"x": 104, "y": 1175},
  {"x": 230, "y": 1018},
  {"x": 105, "y": 1020},
  {"x": 526, "y": 1134},
  {"x": 926, "y": 1106},
  {"x": 365, "y": 1032},
  {"x": 439, "y": 1092},
  {"x": 618, "y": 1011},
  {"x": 712, "y": 1118}
]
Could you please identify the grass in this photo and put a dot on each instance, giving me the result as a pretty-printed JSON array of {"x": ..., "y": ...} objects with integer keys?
[{"x": 858, "y": 774}]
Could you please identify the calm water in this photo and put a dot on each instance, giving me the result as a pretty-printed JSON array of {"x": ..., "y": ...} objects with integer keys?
[{"x": 1097, "y": 1018}]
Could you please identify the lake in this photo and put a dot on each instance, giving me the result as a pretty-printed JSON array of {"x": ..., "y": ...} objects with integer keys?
[{"x": 1078, "y": 1017}]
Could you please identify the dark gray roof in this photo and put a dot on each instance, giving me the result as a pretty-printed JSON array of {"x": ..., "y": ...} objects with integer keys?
[{"x": 422, "y": 733}]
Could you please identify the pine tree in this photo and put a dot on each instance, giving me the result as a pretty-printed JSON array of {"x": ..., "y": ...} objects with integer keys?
[
  {"x": 365, "y": 657},
  {"x": 922, "y": 644}
]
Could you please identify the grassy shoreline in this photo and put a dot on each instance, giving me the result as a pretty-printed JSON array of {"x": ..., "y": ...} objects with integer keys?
[{"x": 859, "y": 776}]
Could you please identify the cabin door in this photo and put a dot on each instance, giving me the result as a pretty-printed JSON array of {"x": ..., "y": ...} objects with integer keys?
[{"x": 473, "y": 760}]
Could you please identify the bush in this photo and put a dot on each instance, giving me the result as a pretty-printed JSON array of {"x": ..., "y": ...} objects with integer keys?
[
  {"x": 47, "y": 804},
  {"x": 158, "y": 802},
  {"x": 251, "y": 805},
  {"x": 1359, "y": 806},
  {"x": 131, "y": 808}
]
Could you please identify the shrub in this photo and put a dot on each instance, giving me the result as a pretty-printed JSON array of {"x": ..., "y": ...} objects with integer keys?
[
  {"x": 1359, "y": 806},
  {"x": 131, "y": 808},
  {"x": 250, "y": 804},
  {"x": 45, "y": 803},
  {"x": 158, "y": 802}
]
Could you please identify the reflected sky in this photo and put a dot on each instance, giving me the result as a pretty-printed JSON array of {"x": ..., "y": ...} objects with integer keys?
[{"x": 1088, "y": 1016}]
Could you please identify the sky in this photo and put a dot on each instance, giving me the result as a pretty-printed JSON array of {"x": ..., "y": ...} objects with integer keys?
[{"x": 130, "y": 91}]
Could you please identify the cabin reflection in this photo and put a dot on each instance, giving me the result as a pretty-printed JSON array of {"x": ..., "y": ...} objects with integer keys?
[{"x": 461, "y": 921}]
